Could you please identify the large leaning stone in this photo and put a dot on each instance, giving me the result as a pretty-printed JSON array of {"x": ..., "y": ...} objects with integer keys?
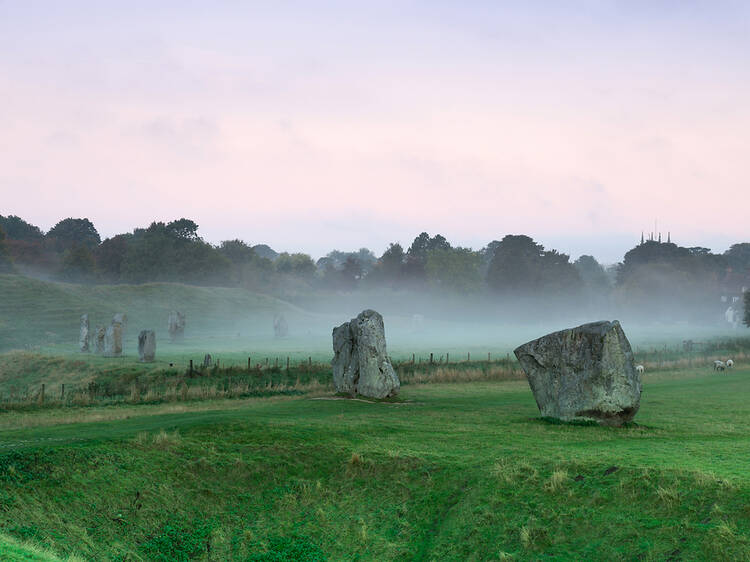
[
  {"x": 360, "y": 363},
  {"x": 146, "y": 345},
  {"x": 583, "y": 373}
]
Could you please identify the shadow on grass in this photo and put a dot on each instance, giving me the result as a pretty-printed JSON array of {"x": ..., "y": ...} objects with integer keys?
[{"x": 589, "y": 423}]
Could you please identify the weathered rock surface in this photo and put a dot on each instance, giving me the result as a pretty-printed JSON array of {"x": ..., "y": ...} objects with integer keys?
[
  {"x": 176, "y": 325},
  {"x": 101, "y": 335},
  {"x": 146, "y": 345},
  {"x": 360, "y": 363},
  {"x": 113, "y": 340},
  {"x": 583, "y": 373},
  {"x": 83, "y": 338},
  {"x": 280, "y": 327}
]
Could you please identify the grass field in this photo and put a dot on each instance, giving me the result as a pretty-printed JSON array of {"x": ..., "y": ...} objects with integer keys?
[{"x": 451, "y": 472}]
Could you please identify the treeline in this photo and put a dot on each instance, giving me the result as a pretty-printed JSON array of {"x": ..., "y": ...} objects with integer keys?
[{"x": 653, "y": 279}]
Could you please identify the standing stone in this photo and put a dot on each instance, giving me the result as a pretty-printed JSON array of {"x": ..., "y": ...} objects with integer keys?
[
  {"x": 146, "y": 346},
  {"x": 583, "y": 373},
  {"x": 101, "y": 334},
  {"x": 83, "y": 338},
  {"x": 280, "y": 327},
  {"x": 208, "y": 360},
  {"x": 360, "y": 363},
  {"x": 176, "y": 326},
  {"x": 113, "y": 340}
]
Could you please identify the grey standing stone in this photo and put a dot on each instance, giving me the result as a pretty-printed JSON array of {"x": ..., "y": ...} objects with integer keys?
[
  {"x": 101, "y": 334},
  {"x": 83, "y": 338},
  {"x": 208, "y": 360},
  {"x": 176, "y": 326},
  {"x": 360, "y": 363},
  {"x": 113, "y": 340},
  {"x": 280, "y": 327},
  {"x": 146, "y": 345},
  {"x": 583, "y": 373}
]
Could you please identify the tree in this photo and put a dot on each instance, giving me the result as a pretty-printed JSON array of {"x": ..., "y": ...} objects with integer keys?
[
  {"x": 592, "y": 274},
  {"x": 746, "y": 299},
  {"x": 454, "y": 269},
  {"x": 520, "y": 266},
  {"x": 173, "y": 252},
  {"x": 6, "y": 264},
  {"x": 77, "y": 264},
  {"x": 416, "y": 256},
  {"x": 18, "y": 229},
  {"x": 110, "y": 255},
  {"x": 184, "y": 229},
  {"x": 299, "y": 265},
  {"x": 738, "y": 257},
  {"x": 69, "y": 232},
  {"x": 237, "y": 251}
]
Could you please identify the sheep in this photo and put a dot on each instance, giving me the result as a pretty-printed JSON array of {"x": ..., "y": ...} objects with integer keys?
[
  {"x": 730, "y": 363},
  {"x": 719, "y": 365},
  {"x": 639, "y": 369}
]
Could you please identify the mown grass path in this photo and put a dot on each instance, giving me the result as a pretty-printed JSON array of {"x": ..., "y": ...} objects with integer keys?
[{"x": 460, "y": 471}]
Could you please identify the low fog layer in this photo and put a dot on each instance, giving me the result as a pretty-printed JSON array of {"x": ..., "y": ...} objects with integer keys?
[{"x": 435, "y": 297}]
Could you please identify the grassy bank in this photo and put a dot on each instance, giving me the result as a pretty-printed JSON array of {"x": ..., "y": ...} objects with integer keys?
[{"x": 451, "y": 472}]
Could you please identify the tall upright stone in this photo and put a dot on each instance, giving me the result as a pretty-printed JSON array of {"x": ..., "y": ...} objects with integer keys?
[
  {"x": 176, "y": 326},
  {"x": 101, "y": 336},
  {"x": 83, "y": 337},
  {"x": 280, "y": 327},
  {"x": 361, "y": 364},
  {"x": 146, "y": 346},
  {"x": 583, "y": 373},
  {"x": 122, "y": 319},
  {"x": 113, "y": 340}
]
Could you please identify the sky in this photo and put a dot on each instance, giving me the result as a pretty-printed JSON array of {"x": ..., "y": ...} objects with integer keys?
[{"x": 311, "y": 126}]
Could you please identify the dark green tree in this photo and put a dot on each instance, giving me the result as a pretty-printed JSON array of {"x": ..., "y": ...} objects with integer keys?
[
  {"x": 69, "y": 232},
  {"x": 520, "y": 266},
  {"x": 416, "y": 255},
  {"x": 18, "y": 229},
  {"x": 237, "y": 252},
  {"x": 592, "y": 274},
  {"x": 109, "y": 257},
  {"x": 299, "y": 265},
  {"x": 738, "y": 257},
  {"x": 77, "y": 264},
  {"x": 6, "y": 264},
  {"x": 454, "y": 269}
]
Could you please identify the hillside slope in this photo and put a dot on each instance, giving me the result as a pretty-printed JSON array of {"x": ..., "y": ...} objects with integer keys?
[{"x": 42, "y": 313}]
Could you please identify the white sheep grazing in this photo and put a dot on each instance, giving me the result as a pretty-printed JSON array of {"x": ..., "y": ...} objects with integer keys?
[
  {"x": 639, "y": 369},
  {"x": 719, "y": 365},
  {"x": 730, "y": 363}
]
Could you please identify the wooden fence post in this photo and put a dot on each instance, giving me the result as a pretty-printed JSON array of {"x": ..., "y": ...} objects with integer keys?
[
  {"x": 309, "y": 361},
  {"x": 249, "y": 363},
  {"x": 488, "y": 357},
  {"x": 412, "y": 359},
  {"x": 62, "y": 392},
  {"x": 447, "y": 357},
  {"x": 287, "y": 362},
  {"x": 468, "y": 356},
  {"x": 41, "y": 396},
  {"x": 191, "y": 368},
  {"x": 430, "y": 358}
]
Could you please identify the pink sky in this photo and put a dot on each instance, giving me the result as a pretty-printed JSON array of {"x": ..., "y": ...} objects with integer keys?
[{"x": 340, "y": 127}]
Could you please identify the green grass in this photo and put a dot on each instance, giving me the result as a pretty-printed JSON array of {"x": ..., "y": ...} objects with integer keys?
[{"x": 451, "y": 472}]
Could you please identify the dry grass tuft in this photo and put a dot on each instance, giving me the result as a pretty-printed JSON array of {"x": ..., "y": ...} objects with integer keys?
[
  {"x": 164, "y": 440},
  {"x": 668, "y": 496},
  {"x": 356, "y": 460},
  {"x": 557, "y": 480}
]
